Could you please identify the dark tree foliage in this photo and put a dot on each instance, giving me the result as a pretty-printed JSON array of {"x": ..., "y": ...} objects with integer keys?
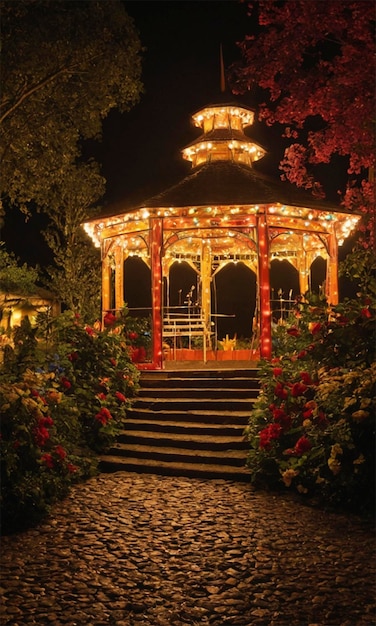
[
  {"x": 316, "y": 63},
  {"x": 65, "y": 65}
]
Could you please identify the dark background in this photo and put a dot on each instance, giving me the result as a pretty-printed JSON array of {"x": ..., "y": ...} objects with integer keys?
[{"x": 140, "y": 150}]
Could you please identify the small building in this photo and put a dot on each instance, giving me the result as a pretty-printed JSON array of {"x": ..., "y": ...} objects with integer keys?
[
  {"x": 224, "y": 212},
  {"x": 14, "y": 307}
]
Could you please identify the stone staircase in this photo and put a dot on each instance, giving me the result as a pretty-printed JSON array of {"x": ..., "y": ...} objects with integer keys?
[{"x": 187, "y": 423}]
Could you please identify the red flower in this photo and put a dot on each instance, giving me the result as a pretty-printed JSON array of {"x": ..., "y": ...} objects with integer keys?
[
  {"x": 48, "y": 460},
  {"x": 113, "y": 362},
  {"x": 342, "y": 320},
  {"x": 307, "y": 414},
  {"x": 302, "y": 354},
  {"x": 282, "y": 418},
  {"x": 41, "y": 436},
  {"x": 278, "y": 413},
  {"x": 65, "y": 382},
  {"x": 302, "y": 445},
  {"x": 321, "y": 418},
  {"x": 45, "y": 421},
  {"x": 132, "y": 335},
  {"x": 269, "y": 433},
  {"x": 298, "y": 389},
  {"x": 73, "y": 356},
  {"x": 89, "y": 330},
  {"x": 315, "y": 328},
  {"x": 293, "y": 331},
  {"x": 103, "y": 416},
  {"x": 120, "y": 396},
  {"x": 101, "y": 396},
  {"x": 280, "y": 391},
  {"x": 71, "y": 468},
  {"x": 34, "y": 393},
  {"x": 306, "y": 378},
  {"x": 277, "y": 371},
  {"x": 366, "y": 313},
  {"x": 61, "y": 453},
  {"x": 109, "y": 319}
]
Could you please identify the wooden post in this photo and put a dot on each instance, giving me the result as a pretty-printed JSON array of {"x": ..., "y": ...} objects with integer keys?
[
  {"x": 264, "y": 287},
  {"x": 156, "y": 241},
  {"x": 332, "y": 270},
  {"x": 106, "y": 279},
  {"x": 119, "y": 278}
]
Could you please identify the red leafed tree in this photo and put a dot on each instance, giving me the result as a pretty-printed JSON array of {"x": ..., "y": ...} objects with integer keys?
[{"x": 316, "y": 63}]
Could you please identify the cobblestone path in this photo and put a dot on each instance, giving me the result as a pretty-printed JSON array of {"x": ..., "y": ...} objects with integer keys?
[{"x": 144, "y": 550}]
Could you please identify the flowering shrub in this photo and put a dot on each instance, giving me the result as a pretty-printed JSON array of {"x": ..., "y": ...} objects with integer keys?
[
  {"x": 42, "y": 453},
  {"x": 136, "y": 332},
  {"x": 94, "y": 366},
  {"x": 313, "y": 426},
  {"x": 61, "y": 402}
]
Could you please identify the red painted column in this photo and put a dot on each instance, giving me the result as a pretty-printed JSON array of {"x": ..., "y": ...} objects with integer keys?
[
  {"x": 332, "y": 270},
  {"x": 156, "y": 242},
  {"x": 264, "y": 287}
]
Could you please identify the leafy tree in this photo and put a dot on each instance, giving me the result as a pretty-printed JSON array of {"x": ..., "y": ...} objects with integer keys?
[
  {"x": 65, "y": 65},
  {"x": 15, "y": 278},
  {"x": 75, "y": 276},
  {"x": 315, "y": 61}
]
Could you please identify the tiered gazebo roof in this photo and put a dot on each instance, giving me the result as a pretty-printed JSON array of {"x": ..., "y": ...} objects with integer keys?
[{"x": 225, "y": 208}]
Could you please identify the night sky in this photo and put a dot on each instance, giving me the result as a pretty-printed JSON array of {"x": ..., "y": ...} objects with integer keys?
[{"x": 140, "y": 150}]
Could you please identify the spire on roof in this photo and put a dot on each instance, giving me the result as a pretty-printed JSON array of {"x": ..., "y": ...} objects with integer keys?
[{"x": 222, "y": 66}]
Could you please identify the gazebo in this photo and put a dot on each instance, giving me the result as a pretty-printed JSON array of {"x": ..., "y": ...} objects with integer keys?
[{"x": 224, "y": 212}]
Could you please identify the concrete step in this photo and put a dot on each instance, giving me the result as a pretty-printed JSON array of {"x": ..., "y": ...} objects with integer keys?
[
  {"x": 207, "y": 383},
  {"x": 197, "y": 393},
  {"x": 181, "y": 455},
  {"x": 201, "y": 441},
  {"x": 184, "y": 404},
  {"x": 187, "y": 423},
  {"x": 152, "y": 466}
]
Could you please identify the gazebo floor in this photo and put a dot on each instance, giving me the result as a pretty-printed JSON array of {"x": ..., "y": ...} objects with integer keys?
[{"x": 209, "y": 365}]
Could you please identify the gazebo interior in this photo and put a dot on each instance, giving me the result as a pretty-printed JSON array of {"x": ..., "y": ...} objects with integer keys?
[{"x": 201, "y": 258}]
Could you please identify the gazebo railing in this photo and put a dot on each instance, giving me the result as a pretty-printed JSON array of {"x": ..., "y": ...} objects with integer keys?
[{"x": 179, "y": 322}]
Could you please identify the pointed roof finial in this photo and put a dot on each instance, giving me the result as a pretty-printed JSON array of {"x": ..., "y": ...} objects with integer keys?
[{"x": 223, "y": 79}]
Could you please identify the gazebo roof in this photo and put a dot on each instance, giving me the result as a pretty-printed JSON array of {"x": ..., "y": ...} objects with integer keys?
[{"x": 227, "y": 183}]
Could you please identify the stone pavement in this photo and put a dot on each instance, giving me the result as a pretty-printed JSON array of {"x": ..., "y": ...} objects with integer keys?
[{"x": 145, "y": 550}]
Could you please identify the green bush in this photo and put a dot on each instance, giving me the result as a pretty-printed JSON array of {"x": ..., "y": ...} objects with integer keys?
[
  {"x": 312, "y": 429},
  {"x": 64, "y": 390}
]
